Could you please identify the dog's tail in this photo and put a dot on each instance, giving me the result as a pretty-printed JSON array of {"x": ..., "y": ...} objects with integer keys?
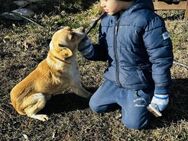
[{"x": 17, "y": 96}]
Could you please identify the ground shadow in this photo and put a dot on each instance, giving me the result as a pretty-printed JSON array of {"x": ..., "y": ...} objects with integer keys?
[
  {"x": 176, "y": 111},
  {"x": 178, "y": 106},
  {"x": 66, "y": 102},
  {"x": 179, "y": 15},
  {"x": 44, "y": 7},
  {"x": 48, "y": 6}
]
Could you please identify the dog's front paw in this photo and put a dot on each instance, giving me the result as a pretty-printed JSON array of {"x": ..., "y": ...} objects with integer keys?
[
  {"x": 43, "y": 117},
  {"x": 40, "y": 117}
]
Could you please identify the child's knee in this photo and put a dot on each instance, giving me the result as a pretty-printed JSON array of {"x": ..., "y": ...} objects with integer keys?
[{"x": 94, "y": 107}]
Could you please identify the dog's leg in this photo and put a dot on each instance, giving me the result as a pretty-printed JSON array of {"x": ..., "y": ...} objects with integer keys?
[
  {"x": 76, "y": 85},
  {"x": 34, "y": 104},
  {"x": 79, "y": 90}
]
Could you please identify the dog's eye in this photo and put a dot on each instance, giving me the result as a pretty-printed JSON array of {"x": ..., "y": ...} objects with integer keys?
[{"x": 62, "y": 45}]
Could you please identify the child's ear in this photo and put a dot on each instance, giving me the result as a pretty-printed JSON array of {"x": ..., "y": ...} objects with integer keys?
[{"x": 66, "y": 53}]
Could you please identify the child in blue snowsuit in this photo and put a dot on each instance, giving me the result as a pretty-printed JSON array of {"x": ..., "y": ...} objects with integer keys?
[{"x": 134, "y": 41}]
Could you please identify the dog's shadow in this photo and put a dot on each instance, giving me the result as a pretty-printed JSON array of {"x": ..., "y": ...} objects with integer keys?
[
  {"x": 176, "y": 111},
  {"x": 66, "y": 102}
]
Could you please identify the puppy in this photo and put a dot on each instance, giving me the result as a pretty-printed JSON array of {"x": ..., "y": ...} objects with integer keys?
[{"x": 54, "y": 74}]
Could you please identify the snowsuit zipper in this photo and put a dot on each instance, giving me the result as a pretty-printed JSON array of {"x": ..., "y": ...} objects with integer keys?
[{"x": 116, "y": 52}]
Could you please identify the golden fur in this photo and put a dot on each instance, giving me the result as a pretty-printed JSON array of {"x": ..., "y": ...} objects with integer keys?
[{"x": 53, "y": 75}]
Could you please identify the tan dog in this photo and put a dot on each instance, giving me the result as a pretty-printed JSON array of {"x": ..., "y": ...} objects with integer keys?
[{"x": 53, "y": 75}]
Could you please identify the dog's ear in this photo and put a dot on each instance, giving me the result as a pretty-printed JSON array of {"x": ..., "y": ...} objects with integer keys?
[
  {"x": 67, "y": 28},
  {"x": 66, "y": 52},
  {"x": 71, "y": 36}
]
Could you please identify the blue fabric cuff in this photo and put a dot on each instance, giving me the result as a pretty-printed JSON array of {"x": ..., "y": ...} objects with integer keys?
[
  {"x": 161, "y": 90},
  {"x": 160, "y": 96}
]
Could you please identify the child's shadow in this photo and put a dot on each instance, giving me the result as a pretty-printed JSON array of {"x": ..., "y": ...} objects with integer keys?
[
  {"x": 178, "y": 106},
  {"x": 66, "y": 102}
]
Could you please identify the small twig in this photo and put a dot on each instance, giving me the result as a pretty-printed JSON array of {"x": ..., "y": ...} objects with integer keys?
[
  {"x": 25, "y": 137},
  {"x": 53, "y": 134},
  {"x": 180, "y": 64},
  {"x": 28, "y": 19}
]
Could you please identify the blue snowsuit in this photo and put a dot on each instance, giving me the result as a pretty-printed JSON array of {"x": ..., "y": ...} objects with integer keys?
[{"x": 138, "y": 49}]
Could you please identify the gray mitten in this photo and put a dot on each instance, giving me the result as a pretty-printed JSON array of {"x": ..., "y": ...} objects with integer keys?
[{"x": 86, "y": 46}]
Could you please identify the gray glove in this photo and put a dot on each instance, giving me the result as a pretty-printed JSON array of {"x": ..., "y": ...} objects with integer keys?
[
  {"x": 86, "y": 47},
  {"x": 160, "y": 101}
]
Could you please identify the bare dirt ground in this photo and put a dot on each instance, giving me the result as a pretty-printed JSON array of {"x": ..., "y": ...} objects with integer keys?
[{"x": 23, "y": 45}]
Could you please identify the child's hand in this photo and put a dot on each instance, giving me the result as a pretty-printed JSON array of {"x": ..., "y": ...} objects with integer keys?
[
  {"x": 161, "y": 101},
  {"x": 85, "y": 43}
]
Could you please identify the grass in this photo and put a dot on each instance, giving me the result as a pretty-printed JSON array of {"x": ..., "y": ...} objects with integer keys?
[{"x": 24, "y": 45}]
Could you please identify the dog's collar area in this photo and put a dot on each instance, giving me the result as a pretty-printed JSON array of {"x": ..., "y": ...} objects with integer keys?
[
  {"x": 62, "y": 60},
  {"x": 62, "y": 45},
  {"x": 56, "y": 56}
]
